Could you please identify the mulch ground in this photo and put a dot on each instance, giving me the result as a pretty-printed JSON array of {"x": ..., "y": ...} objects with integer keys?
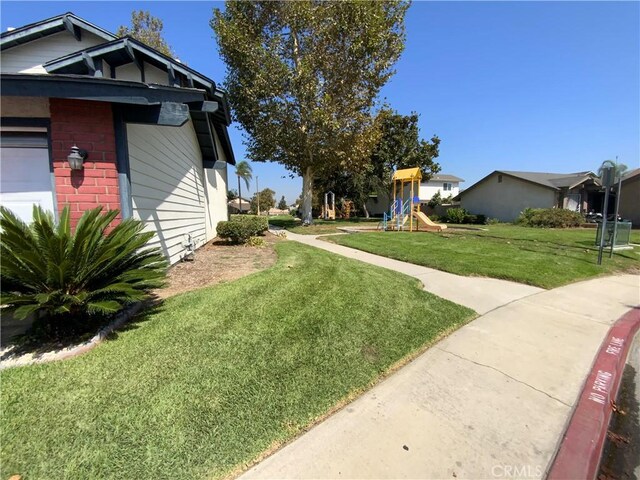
[{"x": 218, "y": 262}]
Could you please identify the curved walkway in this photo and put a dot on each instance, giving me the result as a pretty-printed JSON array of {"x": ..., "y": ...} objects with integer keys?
[
  {"x": 482, "y": 294},
  {"x": 490, "y": 401}
]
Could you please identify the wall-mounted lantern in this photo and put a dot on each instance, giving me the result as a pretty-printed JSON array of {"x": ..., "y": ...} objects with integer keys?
[{"x": 76, "y": 158}]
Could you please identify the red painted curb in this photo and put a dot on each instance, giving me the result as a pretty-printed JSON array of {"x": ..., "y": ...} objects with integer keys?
[{"x": 579, "y": 454}]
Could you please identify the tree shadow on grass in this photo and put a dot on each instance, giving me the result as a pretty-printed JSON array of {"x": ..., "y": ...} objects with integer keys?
[{"x": 44, "y": 336}]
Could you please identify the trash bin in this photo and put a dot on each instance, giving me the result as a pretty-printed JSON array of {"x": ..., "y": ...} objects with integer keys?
[{"x": 623, "y": 234}]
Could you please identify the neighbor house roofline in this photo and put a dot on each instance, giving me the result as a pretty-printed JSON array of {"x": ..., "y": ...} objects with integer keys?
[
  {"x": 631, "y": 174},
  {"x": 60, "y": 23},
  {"x": 444, "y": 177},
  {"x": 522, "y": 177}
]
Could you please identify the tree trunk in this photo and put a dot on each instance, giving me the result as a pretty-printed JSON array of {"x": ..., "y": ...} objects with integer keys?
[
  {"x": 307, "y": 195},
  {"x": 364, "y": 207},
  {"x": 239, "y": 195}
]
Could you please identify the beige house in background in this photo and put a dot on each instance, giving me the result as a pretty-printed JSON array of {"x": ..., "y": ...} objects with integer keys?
[
  {"x": 630, "y": 197},
  {"x": 503, "y": 194}
]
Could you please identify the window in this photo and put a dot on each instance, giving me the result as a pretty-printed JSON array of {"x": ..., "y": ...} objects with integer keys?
[
  {"x": 499, "y": 178},
  {"x": 447, "y": 187}
]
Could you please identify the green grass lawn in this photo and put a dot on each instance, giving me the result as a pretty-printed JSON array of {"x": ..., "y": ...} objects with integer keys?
[
  {"x": 319, "y": 226},
  {"x": 546, "y": 258},
  {"x": 219, "y": 375}
]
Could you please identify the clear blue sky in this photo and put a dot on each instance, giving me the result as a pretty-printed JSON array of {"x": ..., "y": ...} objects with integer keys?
[{"x": 540, "y": 86}]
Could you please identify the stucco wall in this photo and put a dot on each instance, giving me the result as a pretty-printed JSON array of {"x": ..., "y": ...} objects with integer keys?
[
  {"x": 630, "y": 200},
  {"x": 216, "y": 192},
  {"x": 506, "y": 200},
  {"x": 24, "y": 107}
]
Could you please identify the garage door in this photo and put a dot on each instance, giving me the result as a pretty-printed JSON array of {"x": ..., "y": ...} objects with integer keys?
[{"x": 25, "y": 175}]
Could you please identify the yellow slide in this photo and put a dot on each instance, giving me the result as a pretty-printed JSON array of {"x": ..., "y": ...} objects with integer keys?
[{"x": 428, "y": 224}]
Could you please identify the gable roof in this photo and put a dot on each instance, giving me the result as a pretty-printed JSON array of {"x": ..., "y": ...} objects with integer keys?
[
  {"x": 631, "y": 174},
  {"x": 60, "y": 23},
  {"x": 443, "y": 177},
  {"x": 126, "y": 50},
  {"x": 554, "y": 181}
]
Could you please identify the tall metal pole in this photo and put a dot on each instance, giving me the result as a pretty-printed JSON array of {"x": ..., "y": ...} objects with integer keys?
[
  {"x": 615, "y": 218},
  {"x": 606, "y": 176},
  {"x": 258, "y": 194}
]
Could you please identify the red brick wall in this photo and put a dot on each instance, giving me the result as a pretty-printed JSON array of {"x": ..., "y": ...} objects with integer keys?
[{"x": 89, "y": 125}]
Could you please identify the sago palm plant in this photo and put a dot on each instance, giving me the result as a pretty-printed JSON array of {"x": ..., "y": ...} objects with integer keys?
[{"x": 48, "y": 270}]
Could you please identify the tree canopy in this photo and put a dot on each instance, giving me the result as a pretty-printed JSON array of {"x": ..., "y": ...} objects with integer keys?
[
  {"x": 619, "y": 169},
  {"x": 399, "y": 146},
  {"x": 303, "y": 77},
  {"x": 267, "y": 200},
  {"x": 282, "y": 204},
  {"x": 147, "y": 29}
]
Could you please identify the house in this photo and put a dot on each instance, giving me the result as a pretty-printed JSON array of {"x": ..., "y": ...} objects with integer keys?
[
  {"x": 447, "y": 185},
  {"x": 90, "y": 119},
  {"x": 239, "y": 205},
  {"x": 503, "y": 194},
  {"x": 630, "y": 197}
]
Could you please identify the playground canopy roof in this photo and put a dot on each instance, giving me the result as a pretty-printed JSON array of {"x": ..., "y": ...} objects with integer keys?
[{"x": 407, "y": 174}]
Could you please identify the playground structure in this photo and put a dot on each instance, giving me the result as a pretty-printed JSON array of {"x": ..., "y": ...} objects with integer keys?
[
  {"x": 329, "y": 208},
  {"x": 407, "y": 211}
]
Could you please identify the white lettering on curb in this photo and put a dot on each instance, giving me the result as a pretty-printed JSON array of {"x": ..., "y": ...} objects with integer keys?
[
  {"x": 597, "y": 397},
  {"x": 615, "y": 346},
  {"x": 601, "y": 386}
]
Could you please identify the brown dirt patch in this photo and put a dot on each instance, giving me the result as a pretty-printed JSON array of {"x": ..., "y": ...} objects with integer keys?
[{"x": 218, "y": 262}]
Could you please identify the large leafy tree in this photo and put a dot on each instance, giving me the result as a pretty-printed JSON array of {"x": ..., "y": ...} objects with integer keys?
[
  {"x": 244, "y": 172},
  {"x": 148, "y": 29},
  {"x": 619, "y": 169},
  {"x": 267, "y": 200},
  {"x": 399, "y": 146},
  {"x": 282, "y": 204},
  {"x": 303, "y": 77}
]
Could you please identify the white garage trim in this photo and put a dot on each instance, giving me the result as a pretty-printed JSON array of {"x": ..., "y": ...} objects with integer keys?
[{"x": 25, "y": 171}]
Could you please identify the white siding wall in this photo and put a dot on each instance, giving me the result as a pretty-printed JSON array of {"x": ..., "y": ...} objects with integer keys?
[
  {"x": 429, "y": 189},
  {"x": 507, "y": 199},
  {"x": 216, "y": 191},
  {"x": 30, "y": 57},
  {"x": 167, "y": 185}
]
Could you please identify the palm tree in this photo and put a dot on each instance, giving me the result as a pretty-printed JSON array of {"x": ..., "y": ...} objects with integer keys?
[
  {"x": 619, "y": 169},
  {"x": 244, "y": 171}
]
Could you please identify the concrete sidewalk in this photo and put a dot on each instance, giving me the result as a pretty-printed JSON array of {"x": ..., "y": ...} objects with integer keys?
[{"x": 490, "y": 401}]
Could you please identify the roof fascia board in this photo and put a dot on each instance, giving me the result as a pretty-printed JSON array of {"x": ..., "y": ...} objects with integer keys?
[
  {"x": 95, "y": 88},
  {"x": 72, "y": 28},
  {"x": 50, "y": 26}
]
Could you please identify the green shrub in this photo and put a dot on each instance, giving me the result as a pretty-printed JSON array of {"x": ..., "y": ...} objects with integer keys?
[
  {"x": 51, "y": 272},
  {"x": 255, "y": 242},
  {"x": 240, "y": 228},
  {"x": 456, "y": 215},
  {"x": 549, "y": 218},
  {"x": 493, "y": 221}
]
